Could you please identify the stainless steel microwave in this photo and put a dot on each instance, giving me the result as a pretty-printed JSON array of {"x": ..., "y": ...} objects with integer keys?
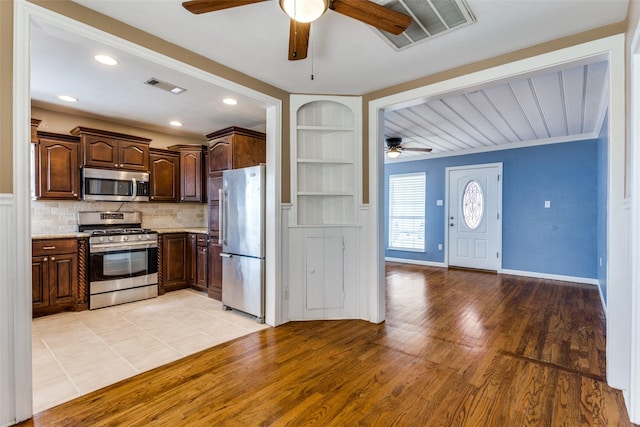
[{"x": 114, "y": 185}]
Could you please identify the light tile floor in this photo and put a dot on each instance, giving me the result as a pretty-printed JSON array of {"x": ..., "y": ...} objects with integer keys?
[{"x": 76, "y": 353}]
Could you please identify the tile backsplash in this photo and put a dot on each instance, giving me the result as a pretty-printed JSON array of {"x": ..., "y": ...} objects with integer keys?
[{"x": 62, "y": 216}]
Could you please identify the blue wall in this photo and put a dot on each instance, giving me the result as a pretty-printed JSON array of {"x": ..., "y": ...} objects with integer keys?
[
  {"x": 561, "y": 240},
  {"x": 603, "y": 173}
]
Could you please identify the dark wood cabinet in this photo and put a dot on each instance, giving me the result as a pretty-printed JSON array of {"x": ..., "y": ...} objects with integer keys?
[
  {"x": 192, "y": 258},
  {"x": 173, "y": 259},
  {"x": 111, "y": 150},
  {"x": 214, "y": 288},
  {"x": 197, "y": 261},
  {"x": 58, "y": 270},
  {"x": 56, "y": 167},
  {"x": 234, "y": 148},
  {"x": 191, "y": 172},
  {"x": 229, "y": 148},
  {"x": 164, "y": 176},
  {"x": 201, "y": 262}
]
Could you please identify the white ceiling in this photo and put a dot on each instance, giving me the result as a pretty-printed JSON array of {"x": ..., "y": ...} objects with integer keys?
[
  {"x": 558, "y": 105},
  {"x": 348, "y": 57}
]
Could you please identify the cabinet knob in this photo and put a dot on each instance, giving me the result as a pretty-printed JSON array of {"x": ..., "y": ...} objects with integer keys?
[
  {"x": 53, "y": 258},
  {"x": 75, "y": 194},
  {"x": 46, "y": 259}
]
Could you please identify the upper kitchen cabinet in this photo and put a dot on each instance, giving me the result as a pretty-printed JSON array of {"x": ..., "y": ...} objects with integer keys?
[
  {"x": 56, "y": 173},
  {"x": 191, "y": 172},
  {"x": 110, "y": 150},
  {"x": 234, "y": 148},
  {"x": 325, "y": 142},
  {"x": 164, "y": 176}
]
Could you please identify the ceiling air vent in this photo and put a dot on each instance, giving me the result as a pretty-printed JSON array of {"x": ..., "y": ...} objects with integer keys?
[
  {"x": 165, "y": 86},
  {"x": 430, "y": 18}
]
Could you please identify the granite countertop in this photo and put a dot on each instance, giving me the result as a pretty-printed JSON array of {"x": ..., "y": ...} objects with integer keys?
[
  {"x": 198, "y": 230},
  {"x": 68, "y": 235}
]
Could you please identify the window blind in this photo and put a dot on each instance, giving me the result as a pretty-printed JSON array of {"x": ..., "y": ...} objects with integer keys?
[{"x": 407, "y": 193}]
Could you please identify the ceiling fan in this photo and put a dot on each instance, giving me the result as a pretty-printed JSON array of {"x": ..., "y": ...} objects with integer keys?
[
  {"x": 394, "y": 147},
  {"x": 303, "y": 12}
]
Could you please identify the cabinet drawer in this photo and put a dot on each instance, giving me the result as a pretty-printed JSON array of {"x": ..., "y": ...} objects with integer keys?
[
  {"x": 201, "y": 239},
  {"x": 54, "y": 246}
]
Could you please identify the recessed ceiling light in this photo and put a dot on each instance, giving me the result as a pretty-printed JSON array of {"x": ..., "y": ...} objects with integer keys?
[
  {"x": 175, "y": 123},
  {"x": 230, "y": 101},
  {"x": 68, "y": 98},
  {"x": 106, "y": 60}
]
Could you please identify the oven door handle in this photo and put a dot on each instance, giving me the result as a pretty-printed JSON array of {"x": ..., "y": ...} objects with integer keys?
[
  {"x": 119, "y": 246},
  {"x": 135, "y": 189}
]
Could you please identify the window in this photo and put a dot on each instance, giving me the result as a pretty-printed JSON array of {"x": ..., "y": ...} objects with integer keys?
[
  {"x": 473, "y": 204},
  {"x": 406, "y": 211}
]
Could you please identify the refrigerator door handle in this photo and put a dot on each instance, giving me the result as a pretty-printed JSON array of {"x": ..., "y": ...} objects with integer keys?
[{"x": 223, "y": 209}]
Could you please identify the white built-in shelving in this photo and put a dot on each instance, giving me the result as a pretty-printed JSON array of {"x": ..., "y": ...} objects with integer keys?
[{"x": 325, "y": 147}]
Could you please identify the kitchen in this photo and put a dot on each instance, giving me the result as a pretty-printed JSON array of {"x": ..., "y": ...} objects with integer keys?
[{"x": 189, "y": 273}]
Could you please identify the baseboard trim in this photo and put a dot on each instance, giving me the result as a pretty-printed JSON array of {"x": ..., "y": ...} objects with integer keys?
[
  {"x": 416, "y": 262},
  {"x": 583, "y": 280}
]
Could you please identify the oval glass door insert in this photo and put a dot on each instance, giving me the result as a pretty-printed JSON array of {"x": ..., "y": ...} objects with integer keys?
[{"x": 472, "y": 204}]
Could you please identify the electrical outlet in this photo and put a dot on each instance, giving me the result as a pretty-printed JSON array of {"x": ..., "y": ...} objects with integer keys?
[
  {"x": 547, "y": 204},
  {"x": 439, "y": 246},
  {"x": 285, "y": 293},
  {"x": 439, "y": 202}
]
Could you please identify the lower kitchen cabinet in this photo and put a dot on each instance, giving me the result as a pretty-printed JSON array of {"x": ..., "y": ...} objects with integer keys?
[
  {"x": 58, "y": 276},
  {"x": 197, "y": 261},
  {"x": 202, "y": 260},
  {"x": 215, "y": 270},
  {"x": 173, "y": 262},
  {"x": 192, "y": 257}
]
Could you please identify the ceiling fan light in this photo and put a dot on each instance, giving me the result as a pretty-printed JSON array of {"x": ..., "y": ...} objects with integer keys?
[
  {"x": 393, "y": 152},
  {"x": 304, "y": 10}
]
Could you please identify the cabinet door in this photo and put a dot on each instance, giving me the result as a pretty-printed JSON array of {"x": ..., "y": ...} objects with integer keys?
[
  {"x": 100, "y": 151},
  {"x": 58, "y": 174},
  {"x": 133, "y": 156},
  {"x": 191, "y": 176},
  {"x": 215, "y": 184},
  {"x": 215, "y": 271},
  {"x": 219, "y": 156},
  {"x": 214, "y": 219},
  {"x": 39, "y": 282},
  {"x": 174, "y": 256},
  {"x": 63, "y": 279},
  {"x": 164, "y": 178},
  {"x": 201, "y": 267},
  {"x": 192, "y": 248},
  {"x": 325, "y": 272}
]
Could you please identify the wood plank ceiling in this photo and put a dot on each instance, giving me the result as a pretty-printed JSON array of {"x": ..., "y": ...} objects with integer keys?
[{"x": 553, "y": 106}]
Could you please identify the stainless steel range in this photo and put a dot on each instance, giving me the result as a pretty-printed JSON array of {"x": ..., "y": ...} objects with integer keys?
[{"x": 123, "y": 257}]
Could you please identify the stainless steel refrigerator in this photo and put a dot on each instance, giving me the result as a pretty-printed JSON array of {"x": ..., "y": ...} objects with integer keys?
[{"x": 242, "y": 218}]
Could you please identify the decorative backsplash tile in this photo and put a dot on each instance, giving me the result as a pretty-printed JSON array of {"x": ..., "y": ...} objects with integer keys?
[{"x": 62, "y": 216}]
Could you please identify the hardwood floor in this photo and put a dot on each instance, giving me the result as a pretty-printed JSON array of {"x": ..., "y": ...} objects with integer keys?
[{"x": 459, "y": 348}]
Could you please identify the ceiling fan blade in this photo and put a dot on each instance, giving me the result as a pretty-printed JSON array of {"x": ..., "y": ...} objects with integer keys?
[
  {"x": 204, "y": 6},
  {"x": 373, "y": 14},
  {"x": 298, "y": 40},
  {"x": 424, "y": 150}
]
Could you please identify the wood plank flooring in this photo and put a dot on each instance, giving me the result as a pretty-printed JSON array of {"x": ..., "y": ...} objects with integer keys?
[{"x": 458, "y": 348}]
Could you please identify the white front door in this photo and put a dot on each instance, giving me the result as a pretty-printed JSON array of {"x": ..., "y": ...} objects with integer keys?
[{"x": 474, "y": 216}]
